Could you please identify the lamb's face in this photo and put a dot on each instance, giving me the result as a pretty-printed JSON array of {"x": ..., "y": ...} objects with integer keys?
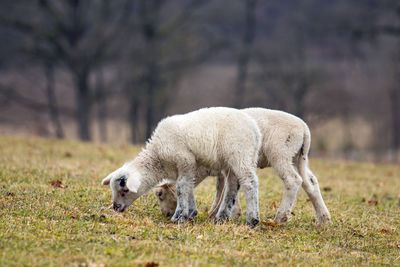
[
  {"x": 124, "y": 186},
  {"x": 166, "y": 198},
  {"x": 122, "y": 197}
]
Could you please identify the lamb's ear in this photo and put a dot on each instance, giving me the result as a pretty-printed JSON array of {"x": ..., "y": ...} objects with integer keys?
[
  {"x": 106, "y": 181},
  {"x": 133, "y": 183}
]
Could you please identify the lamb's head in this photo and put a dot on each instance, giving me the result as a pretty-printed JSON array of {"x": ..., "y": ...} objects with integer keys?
[
  {"x": 166, "y": 195},
  {"x": 124, "y": 183}
]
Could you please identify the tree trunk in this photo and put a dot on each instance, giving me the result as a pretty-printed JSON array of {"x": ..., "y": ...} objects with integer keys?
[
  {"x": 52, "y": 101},
  {"x": 84, "y": 105},
  {"x": 394, "y": 96},
  {"x": 149, "y": 17},
  {"x": 133, "y": 118},
  {"x": 299, "y": 97},
  {"x": 101, "y": 105},
  {"x": 152, "y": 79},
  {"x": 244, "y": 56}
]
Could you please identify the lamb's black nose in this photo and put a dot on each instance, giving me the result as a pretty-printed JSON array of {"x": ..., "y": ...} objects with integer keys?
[{"x": 116, "y": 206}]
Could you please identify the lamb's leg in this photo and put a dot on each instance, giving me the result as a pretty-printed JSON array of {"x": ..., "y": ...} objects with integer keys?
[
  {"x": 186, "y": 207},
  {"x": 181, "y": 204},
  {"x": 192, "y": 204},
  {"x": 236, "y": 210},
  {"x": 218, "y": 195},
  {"x": 292, "y": 182},
  {"x": 229, "y": 198},
  {"x": 315, "y": 196},
  {"x": 248, "y": 181}
]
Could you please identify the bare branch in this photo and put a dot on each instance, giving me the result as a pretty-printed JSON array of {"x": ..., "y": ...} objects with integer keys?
[{"x": 12, "y": 95}]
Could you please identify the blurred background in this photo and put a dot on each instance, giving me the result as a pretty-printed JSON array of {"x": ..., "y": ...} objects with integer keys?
[{"x": 108, "y": 71}]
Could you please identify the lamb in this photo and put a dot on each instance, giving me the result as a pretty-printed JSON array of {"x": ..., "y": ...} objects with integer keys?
[
  {"x": 217, "y": 139},
  {"x": 285, "y": 146}
]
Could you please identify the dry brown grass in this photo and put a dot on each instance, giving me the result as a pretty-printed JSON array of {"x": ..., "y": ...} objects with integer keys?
[{"x": 72, "y": 224}]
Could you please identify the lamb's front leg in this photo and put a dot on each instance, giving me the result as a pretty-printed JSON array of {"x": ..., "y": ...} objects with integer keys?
[
  {"x": 186, "y": 208},
  {"x": 192, "y": 205},
  {"x": 249, "y": 184}
]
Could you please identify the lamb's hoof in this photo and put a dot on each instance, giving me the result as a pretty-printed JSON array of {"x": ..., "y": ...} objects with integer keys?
[
  {"x": 176, "y": 216},
  {"x": 221, "y": 217},
  {"x": 253, "y": 222},
  {"x": 281, "y": 218},
  {"x": 235, "y": 216},
  {"x": 192, "y": 214},
  {"x": 181, "y": 219},
  {"x": 324, "y": 220},
  {"x": 236, "y": 213}
]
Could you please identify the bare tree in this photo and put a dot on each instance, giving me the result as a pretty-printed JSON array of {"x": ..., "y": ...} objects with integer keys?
[
  {"x": 76, "y": 34},
  {"x": 245, "y": 51},
  {"x": 101, "y": 104},
  {"x": 149, "y": 18},
  {"x": 390, "y": 27},
  {"x": 165, "y": 49},
  {"x": 52, "y": 100}
]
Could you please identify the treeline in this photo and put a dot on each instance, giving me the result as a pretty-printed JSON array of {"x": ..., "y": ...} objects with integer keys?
[{"x": 126, "y": 58}]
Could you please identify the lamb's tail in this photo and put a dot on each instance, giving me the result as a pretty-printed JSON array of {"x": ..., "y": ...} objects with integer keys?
[{"x": 302, "y": 162}]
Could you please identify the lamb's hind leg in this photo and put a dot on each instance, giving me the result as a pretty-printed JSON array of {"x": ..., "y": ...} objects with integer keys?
[
  {"x": 292, "y": 182},
  {"x": 315, "y": 196}
]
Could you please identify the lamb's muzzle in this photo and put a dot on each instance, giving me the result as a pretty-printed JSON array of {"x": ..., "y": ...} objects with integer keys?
[{"x": 118, "y": 207}]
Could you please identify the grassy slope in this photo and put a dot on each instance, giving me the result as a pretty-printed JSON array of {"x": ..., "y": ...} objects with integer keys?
[{"x": 43, "y": 225}]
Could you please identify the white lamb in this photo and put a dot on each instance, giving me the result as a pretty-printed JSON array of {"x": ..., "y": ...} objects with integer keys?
[
  {"x": 285, "y": 146},
  {"x": 217, "y": 139}
]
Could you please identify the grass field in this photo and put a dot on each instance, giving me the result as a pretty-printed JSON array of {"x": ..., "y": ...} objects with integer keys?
[{"x": 45, "y": 222}]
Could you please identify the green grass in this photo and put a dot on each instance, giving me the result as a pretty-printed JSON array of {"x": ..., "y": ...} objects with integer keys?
[{"x": 75, "y": 226}]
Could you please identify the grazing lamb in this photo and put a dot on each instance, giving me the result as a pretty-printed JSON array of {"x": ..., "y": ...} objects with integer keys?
[
  {"x": 285, "y": 146},
  {"x": 217, "y": 139}
]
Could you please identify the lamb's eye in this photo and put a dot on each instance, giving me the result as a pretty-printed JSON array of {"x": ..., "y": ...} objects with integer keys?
[{"x": 125, "y": 190}]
